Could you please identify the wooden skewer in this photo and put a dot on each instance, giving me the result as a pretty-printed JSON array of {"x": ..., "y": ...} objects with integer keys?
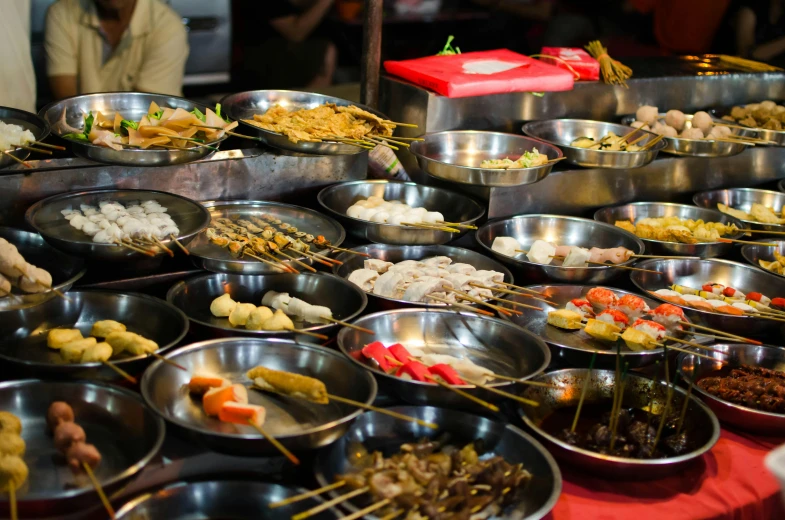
[
  {"x": 677, "y": 349},
  {"x": 651, "y": 143},
  {"x": 520, "y": 288},
  {"x": 467, "y": 297},
  {"x": 551, "y": 161},
  {"x": 405, "y": 125},
  {"x": 326, "y": 258},
  {"x": 134, "y": 248},
  {"x": 12, "y": 500},
  {"x": 393, "y": 515},
  {"x": 277, "y": 265},
  {"x": 17, "y": 159},
  {"x": 330, "y": 503},
  {"x": 315, "y": 258},
  {"x": 601, "y": 263},
  {"x": 313, "y": 334},
  {"x": 432, "y": 227},
  {"x": 125, "y": 375},
  {"x": 278, "y": 446},
  {"x": 99, "y": 490},
  {"x": 456, "y": 224},
  {"x": 275, "y": 261},
  {"x": 507, "y": 291},
  {"x": 293, "y": 259},
  {"x": 763, "y": 230},
  {"x": 730, "y": 240},
  {"x": 460, "y": 305},
  {"x": 349, "y": 325},
  {"x": 304, "y": 496},
  {"x": 47, "y": 145},
  {"x": 383, "y": 411},
  {"x": 720, "y": 333},
  {"x": 162, "y": 246},
  {"x": 156, "y": 355},
  {"x": 662, "y": 257},
  {"x": 181, "y": 246},
  {"x": 524, "y": 381},
  {"x": 629, "y": 134},
  {"x": 503, "y": 393},
  {"x": 341, "y": 249},
  {"x": 371, "y": 508},
  {"x": 39, "y": 150},
  {"x": 409, "y": 138},
  {"x": 583, "y": 393},
  {"x": 695, "y": 345},
  {"x": 517, "y": 304},
  {"x": 389, "y": 140},
  {"x": 640, "y": 138},
  {"x": 489, "y": 406},
  {"x": 381, "y": 142}
]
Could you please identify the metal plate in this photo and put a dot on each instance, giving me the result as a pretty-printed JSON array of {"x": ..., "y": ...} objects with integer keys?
[
  {"x": 219, "y": 499},
  {"x": 752, "y": 254},
  {"x": 637, "y": 393},
  {"x": 492, "y": 343},
  {"x": 211, "y": 257},
  {"x": 576, "y": 347},
  {"x": 455, "y": 207},
  {"x": 379, "y": 432},
  {"x": 698, "y": 147},
  {"x": 243, "y": 105},
  {"x": 194, "y": 296},
  {"x": 133, "y": 106},
  {"x": 127, "y": 434},
  {"x": 28, "y": 121},
  {"x": 639, "y": 210},
  {"x": 695, "y": 272},
  {"x": 693, "y": 369},
  {"x": 45, "y": 217},
  {"x": 65, "y": 269},
  {"x": 562, "y": 132},
  {"x": 399, "y": 253},
  {"x": 564, "y": 231},
  {"x": 456, "y": 156},
  {"x": 24, "y": 332},
  {"x": 743, "y": 199},
  {"x": 778, "y": 136},
  {"x": 296, "y": 423}
]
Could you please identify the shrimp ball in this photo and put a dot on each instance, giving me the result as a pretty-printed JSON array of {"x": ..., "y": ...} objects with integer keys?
[
  {"x": 692, "y": 133},
  {"x": 675, "y": 118},
  {"x": 647, "y": 114},
  {"x": 432, "y": 217},
  {"x": 640, "y": 125},
  {"x": 380, "y": 217},
  {"x": 354, "y": 211},
  {"x": 702, "y": 120}
]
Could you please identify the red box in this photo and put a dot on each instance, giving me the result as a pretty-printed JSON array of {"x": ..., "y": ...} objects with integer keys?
[{"x": 584, "y": 65}]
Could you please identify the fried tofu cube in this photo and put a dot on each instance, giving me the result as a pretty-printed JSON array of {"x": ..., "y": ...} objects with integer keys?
[
  {"x": 59, "y": 337},
  {"x": 72, "y": 352},
  {"x": 103, "y": 328},
  {"x": 638, "y": 340},
  {"x": 602, "y": 330},
  {"x": 565, "y": 319}
]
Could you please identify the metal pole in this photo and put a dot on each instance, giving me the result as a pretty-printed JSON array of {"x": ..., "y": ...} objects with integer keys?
[{"x": 372, "y": 52}]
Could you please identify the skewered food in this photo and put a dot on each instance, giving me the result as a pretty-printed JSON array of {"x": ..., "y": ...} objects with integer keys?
[
  {"x": 132, "y": 343},
  {"x": 117, "y": 340},
  {"x": 57, "y": 338},
  {"x": 241, "y": 413},
  {"x": 201, "y": 383},
  {"x": 67, "y": 433},
  {"x": 70, "y": 438},
  {"x": 717, "y": 298},
  {"x": 215, "y": 398},
  {"x": 163, "y": 127},
  {"x": 542, "y": 252},
  {"x": 526, "y": 160},
  {"x": 59, "y": 411},
  {"x": 16, "y": 271},
  {"x": 431, "y": 479},
  {"x": 239, "y": 315},
  {"x": 13, "y": 136},
  {"x": 10, "y": 423},
  {"x": 13, "y": 470},
  {"x": 677, "y": 124},
  {"x": 675, "y": 229},
  {"x": 12, "y": 444},
  {"x": 288, "y": 383},
  {"x": 376, "y": 209},
  {"x": 614, "y": 317},
  {"x": 326, "y": 122},
  {"x": 767, "y": 115},
  {"x": 565, "y": 319},
  {"x": 103, "y": 328},
  {"x": 222, "y": 306},
  {"x": 252, "y": 317},
  {"x": 757, "y": 213},
  {"x": 754, "y": 387},
  {"x": 776, "y": 266},
  {"x": 610, "y": 142}
]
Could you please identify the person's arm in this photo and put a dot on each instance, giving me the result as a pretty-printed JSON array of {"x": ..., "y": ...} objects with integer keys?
[
  {"x": 745, "y": 31},
  {"x": 297, "y": 28},
  {"x": 769, "y": 50},
  {"x": 60, "y": 45},
  {"x": 166, "y": 51}
]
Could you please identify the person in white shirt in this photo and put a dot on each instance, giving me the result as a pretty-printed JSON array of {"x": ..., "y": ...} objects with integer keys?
[{"x": 17, "y": 77}]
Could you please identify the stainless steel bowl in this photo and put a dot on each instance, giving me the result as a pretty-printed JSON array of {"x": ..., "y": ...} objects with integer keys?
[
  {"x": 693, "y": 369},
  {"x": 133, "y": 106},
  {"x": 638, "y": 210},
  {"x": 127, "y": 434},
  {"x": 575, "y": 347},
  {"x": 296, "y": 423},
  {"x": 562, "y": 132},
  {"x": 194, "y": 295},
  {"x": 45, "y": 217},
  {"x": 699, "y": 147},
  {"x": 28, "y": 121},
  {"x": 777, "y": 136},
  {"x": 65, "y": 269},
  {"x": 455, "y": 207},
  {"x": 456, "y": 155},
  {"x": 211, "y": 257},
  {"x": 243, "y": 105},
  {"x": 743, "y": 199},
  {"x": 637, "y": 393},
  {"x": 400, "y": 253},
  {"x": 694, "y": 272},
  {"x": 570, "y": 231},
  {"x": 24, "y": 332},
  {"x": 495, "y": 344},
  {"x": 377, "y": 432},
  {"x": 753, "y": 253},
  {"x": 235, "y": 499}
]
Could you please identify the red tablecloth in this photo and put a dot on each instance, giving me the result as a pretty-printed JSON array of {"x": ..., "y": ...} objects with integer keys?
[{"x": 730, "y": 482}]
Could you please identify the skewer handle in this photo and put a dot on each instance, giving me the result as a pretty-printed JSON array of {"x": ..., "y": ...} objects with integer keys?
[
  {"x": 303, "y": 496},
  {"x": 278, "y": 446},
  {"x": 383, "y": 411},
  {"x": 489, "y": 406},
  {"x": 12, "y": 501},
  {"x": 99, "y": 490},
  {"x": 330, "y": 503},
  {"x": 122, "y": 373}
]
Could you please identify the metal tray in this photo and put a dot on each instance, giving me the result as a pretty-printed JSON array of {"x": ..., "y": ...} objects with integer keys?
[
  {"x": 28, "y": 121},
  {"x": 639, "y": 210},
  {"x": 564, "y": 231},
  {"x": 694, "y": 272},
  {"x": 65, "y": 269},
  {"x": 399, "y": 253},
  {"x": 693, "y": 369},
  {"x": 698, "y": 147},
  {"x": 243, "y": 105},
  {"x": 127, "y": 434},
  {"x": 296, "y": 423},
  {"x": 24, "y": 332},
  {"x": 455, "y": 207},
  {"x": 743, "y": 199},
  {"x": 133, "y": 106},
  {"x": 456, "y": 155},
  {"x": 562, "y": 132},
  {"x": 193, "y": 297},
  {"x": 374, "y": 431},
  {"x": 44, "y": 216},
  {"x": 576, "y": 347},
  {"x": 211, "y": 257},
  {"x": 752, "y": 254}
]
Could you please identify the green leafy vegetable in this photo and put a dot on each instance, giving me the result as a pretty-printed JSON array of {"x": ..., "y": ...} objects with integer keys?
[
  {"x": 448, "y": 49},
  {"x": 218, "y": 112},
  {"x": 157, "y": 115},
  {"x": 125, "y": 123},
  {"x": 198, "y": 113},
  {"x": 88, "y": 124},
  {"x": 75, "y": 136}
]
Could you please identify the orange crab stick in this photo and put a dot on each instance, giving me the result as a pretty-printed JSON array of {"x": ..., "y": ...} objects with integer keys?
[
  {"x": 215, "y": 398},
  {"x": 201, "y": 383},
  {"x": 240, "y": 413}
]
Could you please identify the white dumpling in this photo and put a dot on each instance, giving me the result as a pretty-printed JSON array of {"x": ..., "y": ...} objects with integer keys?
[
  {"x": 432, "y": 217},
  {"x": 354, "y": 211},
  {"x": 397, "y": 219},
  {"x": 380, "y": 217},
  {"x": 367, "y": 213}
]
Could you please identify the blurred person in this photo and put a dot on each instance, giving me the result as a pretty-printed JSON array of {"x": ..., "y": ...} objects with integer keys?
[
  {"x": 276, "y": 46},
  {"x": 17, "y": 77},
  {"x": 114, "y": 45},
  {"x": 683, "y": 26},
  {"x": 760, "y": 30}
]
